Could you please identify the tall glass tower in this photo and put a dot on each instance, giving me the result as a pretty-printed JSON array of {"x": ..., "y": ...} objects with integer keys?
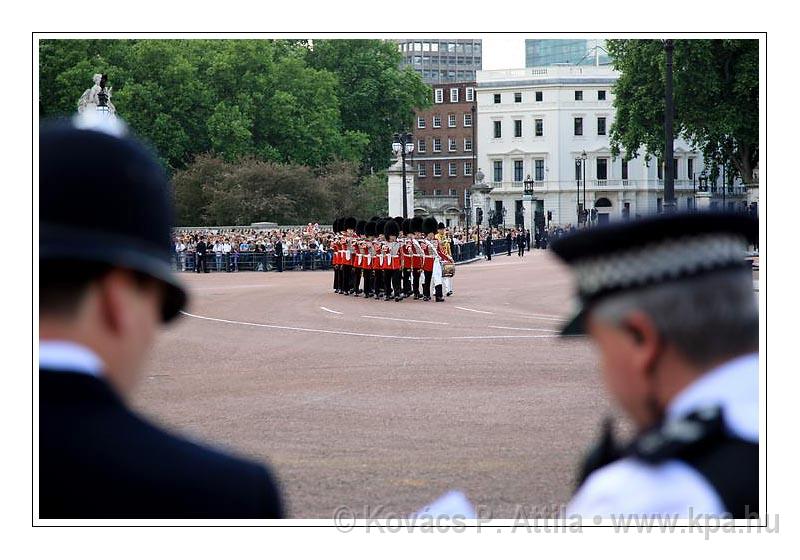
[
  {"x": 441, "y": 61},
  {"x": 585, "y": 52}
]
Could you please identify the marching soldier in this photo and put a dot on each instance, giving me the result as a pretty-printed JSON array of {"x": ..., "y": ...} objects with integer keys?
[
  {"x": 359, "y": 260},
  {"x": 417, "y": 254},
  {"x": 369, "y": 258},
  {"x": 446, "y": 250},
  {"x": 335, "y": 259},
  {"x": 392, "y": 264},
  {"x": 669, "y": 303},
  {"x": 406, "y": 253},
  {"x": 347, "y": 261},
  {"x": 377, "y": 264}
]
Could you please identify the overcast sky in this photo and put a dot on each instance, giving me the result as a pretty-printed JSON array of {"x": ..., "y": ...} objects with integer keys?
[{"x": 503, "y": 51}]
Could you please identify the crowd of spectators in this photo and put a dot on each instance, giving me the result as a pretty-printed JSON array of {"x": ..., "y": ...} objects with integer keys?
[{"x": 309, "y": 247}]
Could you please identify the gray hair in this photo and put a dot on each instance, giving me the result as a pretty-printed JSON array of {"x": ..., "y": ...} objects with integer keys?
[{"x": 707, "y": 318}]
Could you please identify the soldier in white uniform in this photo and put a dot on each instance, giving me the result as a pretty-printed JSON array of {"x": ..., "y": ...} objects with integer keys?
[{"x": 669, "y": 303}]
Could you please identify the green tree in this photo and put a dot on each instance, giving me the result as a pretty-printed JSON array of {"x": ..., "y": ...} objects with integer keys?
[
  {"x": 715, "y": 92},
  {"x": 377, "y": 97}
]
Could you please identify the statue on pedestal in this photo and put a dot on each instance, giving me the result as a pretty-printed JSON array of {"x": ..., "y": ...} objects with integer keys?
[{"x": 97, "y": 97}]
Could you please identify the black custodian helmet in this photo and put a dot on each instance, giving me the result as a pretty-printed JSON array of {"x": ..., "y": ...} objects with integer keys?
[{"x": 104, "y": 198}]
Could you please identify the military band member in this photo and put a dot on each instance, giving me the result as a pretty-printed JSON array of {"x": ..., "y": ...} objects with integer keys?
[
  {"x": 417, "y": 254},
  {"x": 348, "y": 243},
  {"x": 406, "y": 252},
  {"x": 336, "y": 257},
  {"x": 392, "y": 264},
  {"x": 369, "y": 259},
  {"x": 669, "y": 303},
  {"x": 444, "y": 246},
  {"x": 359, "y": 260}
]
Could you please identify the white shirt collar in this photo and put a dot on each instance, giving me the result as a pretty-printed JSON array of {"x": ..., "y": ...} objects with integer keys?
[
  {"x": 62, "y": 355},
  {"x": 733, "y": 386}
]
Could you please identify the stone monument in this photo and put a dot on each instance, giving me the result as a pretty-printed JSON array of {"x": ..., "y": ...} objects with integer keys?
[{"x": 97, "y": 98}]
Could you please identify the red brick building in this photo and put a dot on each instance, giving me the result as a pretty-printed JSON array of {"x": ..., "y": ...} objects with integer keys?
[{"x": 445, "y": 151}]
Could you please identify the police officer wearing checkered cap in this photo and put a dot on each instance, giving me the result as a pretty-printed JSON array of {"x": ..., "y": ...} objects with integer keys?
[
  {"x": 669, "y": 303},
  {"x": 105, "y": 289}
]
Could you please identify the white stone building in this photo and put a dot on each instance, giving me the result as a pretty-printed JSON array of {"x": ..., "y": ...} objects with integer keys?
[{"x": 538, "y": 122}]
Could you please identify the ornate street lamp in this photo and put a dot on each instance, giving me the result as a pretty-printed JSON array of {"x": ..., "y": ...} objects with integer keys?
[
  {"x": 528, "y": 185},
  {"x": 403, "y": 144}
]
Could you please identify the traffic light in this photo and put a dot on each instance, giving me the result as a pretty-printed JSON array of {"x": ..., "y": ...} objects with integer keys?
[
  {"x": 549, "y": 215},
  {"x": 479, "y": 216}
]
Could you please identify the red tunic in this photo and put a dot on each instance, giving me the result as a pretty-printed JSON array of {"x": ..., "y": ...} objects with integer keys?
[
  {"x": 406, "y": 253},
  {"x": 429, "y": 255},
  {"x": 416, "y": 260},
  {"x": 377, "y": 263}
]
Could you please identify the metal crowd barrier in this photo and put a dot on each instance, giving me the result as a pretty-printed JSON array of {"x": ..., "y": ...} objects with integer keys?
[{"x": 254, "y": 261}]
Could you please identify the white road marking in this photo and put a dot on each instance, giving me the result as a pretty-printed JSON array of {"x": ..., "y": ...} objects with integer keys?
[
  {"x": 331, "y": 310},
  {"x": 474, "y": 310},
  {"x": 224, "y": 288},
  {"x": 539, "y": 317},
  {"x": 404, "y": 320},
  {"x": 521, "y": 329},
  {"x": 367, "y": 335}
]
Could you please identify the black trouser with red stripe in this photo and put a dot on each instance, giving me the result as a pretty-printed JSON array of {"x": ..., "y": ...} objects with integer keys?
[
  {"x": 415, "y": 274},
  {"x": 406, "y": 273}
]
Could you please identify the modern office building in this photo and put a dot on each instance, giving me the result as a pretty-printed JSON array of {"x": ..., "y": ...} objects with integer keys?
[
  {"x": 551, "y": 125},
  {"x": 584, "y": 52},
  {"x": 444, "y": 152},
  {"x": 440, "y": 61}
]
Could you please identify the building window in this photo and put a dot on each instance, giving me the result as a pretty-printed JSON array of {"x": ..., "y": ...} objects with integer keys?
[
  {"x": 467, "y": 120},
  {"x": 468, "y": 169},
  {"x": 437, "y": 192},
  {"x": 422, "y": 145},
  {"x": 453, "y": 192},
  {"x": 437, "y": 144},
  {"x": 422, "y": 171},
  {"x": 434, "y": 47},
  {"x": 517, "y": 129},
  {"x": 675, "y": 168},
  {"x": 451, "y": 145},
  {"x": 451, "y": 121},
  {"x": 498, "y": 171},
  {"x": 538, "y": 96},
  {"x": 624, "y": 169},
  {"x": 538, "y": 167},
  {"x": 690, "y": 168},
  {"x": 498, "y": 129},
  {"x": 578, "y": 95},
  {"x": 518, "y": 97},
  {"x": 539, "y": 126},
  {"x": 420, "y": 122},
  {"x": 578, "y": 129},
  {"x": 601, "y": 126},
  {"x": 452, "y": 169},
  {"x": 497, "y": 98},
  {"x": 467, "y": 144},
  {"x": 439, "y": 96},
  {"x": 518, "y": 170},
  {"x": 437, "y": 169},
  {"x": 454, "y": 95},
  {"x": 470, "y": 94},
  {"x": 437, "y": 121},
  {"x": 602, "y": 169},
  {"x": 601, "y": 95}
]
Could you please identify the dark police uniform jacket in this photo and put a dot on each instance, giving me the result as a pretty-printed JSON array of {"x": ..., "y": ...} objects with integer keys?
[{"x": 99, "y": 460}]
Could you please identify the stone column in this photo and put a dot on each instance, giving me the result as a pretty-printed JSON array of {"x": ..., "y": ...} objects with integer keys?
[
  {"x": 703, "y": 200},
  {"x": 395, "y": 189}
]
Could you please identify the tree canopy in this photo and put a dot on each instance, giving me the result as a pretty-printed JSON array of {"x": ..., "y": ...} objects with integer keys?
[
  {"x": 715, "y": 84},
  {"x": 282, "y": 101}
]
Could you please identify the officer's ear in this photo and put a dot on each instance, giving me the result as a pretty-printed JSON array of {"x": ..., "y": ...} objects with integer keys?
[{"x": 645, "y": 336}]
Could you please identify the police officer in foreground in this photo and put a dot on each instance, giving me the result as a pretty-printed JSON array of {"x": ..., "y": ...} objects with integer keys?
[
  {"x": 105, "y": 289},
  {"x": 669, "y": 303}
]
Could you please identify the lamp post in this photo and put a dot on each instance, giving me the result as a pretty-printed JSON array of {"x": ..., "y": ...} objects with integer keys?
[
  {"x": 669, "y": 110},
  {"x": 403, "y": 144},
  {"x": 583, "y": 166},
  {"x": 528, "y": 184}
]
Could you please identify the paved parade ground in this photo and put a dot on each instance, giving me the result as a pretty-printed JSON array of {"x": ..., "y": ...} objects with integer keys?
[{"x": 383, "y": 406}]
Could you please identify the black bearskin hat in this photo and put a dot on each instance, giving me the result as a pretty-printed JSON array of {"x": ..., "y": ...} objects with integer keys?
[
  {"x": 416, "y": 224},
  {"x": 429, "y": 225},
  {"x": 379, "y": 226},
  {"x": 360, "y": 227},
  {"x": 350, "y": 223},
  {"x": 374, "y": 219},
  {"x": 369, "y": 229},
  {"x": 391, "y": 228},
  {"x": 441, "y": 225},
  {"x": 399, "y": 220},
  {"x": 406, "y": 227}
]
